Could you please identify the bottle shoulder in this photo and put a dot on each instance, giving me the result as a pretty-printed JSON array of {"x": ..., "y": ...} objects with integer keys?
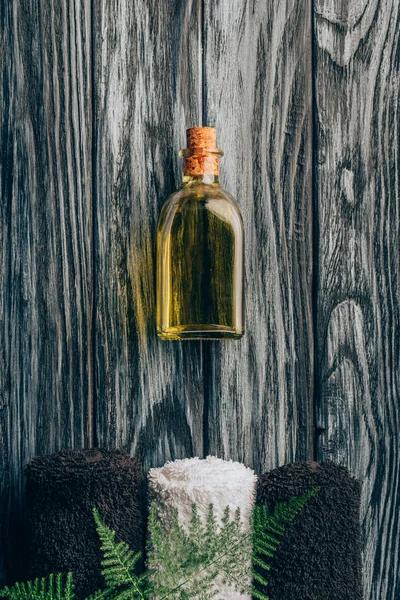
[{"x": 206, "y": 196}]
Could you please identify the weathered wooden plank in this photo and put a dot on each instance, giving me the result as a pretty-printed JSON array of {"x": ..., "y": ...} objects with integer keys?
[
  {"x": 357, "y": 184},
  {"x": 258, "y": 94},
  {"x": 149, "y": 392},
  {"x": 45, "y": 244}
]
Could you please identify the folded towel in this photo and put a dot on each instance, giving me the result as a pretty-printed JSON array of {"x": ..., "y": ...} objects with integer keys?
[
  {"x": 62, "y": 490},
  {"x": 320, "y": 555},
  {"x": 182, "y": 483}
]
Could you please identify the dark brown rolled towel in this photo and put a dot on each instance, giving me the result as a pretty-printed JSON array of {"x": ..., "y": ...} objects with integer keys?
[
  {"x": 62, "y": 490},
  {"x": 319, "y": 557}
]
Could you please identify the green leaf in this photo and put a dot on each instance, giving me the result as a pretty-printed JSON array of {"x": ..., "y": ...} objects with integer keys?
[
  {"x": 54, "y": 587},
  {"x": 185, "y": 565},
  {"x": 119, "y": 566}
]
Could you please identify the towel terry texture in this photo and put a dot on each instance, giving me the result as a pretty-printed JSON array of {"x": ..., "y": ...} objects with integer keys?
[
  {"x": 62, "y": 490},
  {"x": 182, "y": 483},
  {"x": 320, "y": 556}
]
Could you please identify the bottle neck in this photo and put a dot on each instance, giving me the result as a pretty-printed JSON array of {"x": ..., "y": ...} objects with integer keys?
[
  {"x": 207, "y": 178},
  {"x": 201, "y": 165}
]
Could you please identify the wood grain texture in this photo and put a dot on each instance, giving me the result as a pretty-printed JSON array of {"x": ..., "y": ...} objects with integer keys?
[
  {"x": 244, "y": 67},
  {"x": 45, "y": 244},
  {"x": 149, "y": 392},
  {"x": 258, "y": 95},
  {"x": 358, "y": 309}
]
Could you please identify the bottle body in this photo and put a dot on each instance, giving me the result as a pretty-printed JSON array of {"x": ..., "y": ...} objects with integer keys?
[{"x": 200, "y": 264}]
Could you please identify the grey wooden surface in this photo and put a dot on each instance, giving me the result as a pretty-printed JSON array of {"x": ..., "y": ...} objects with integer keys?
[
  {"x": 358, "y": 265},
  {"x": 150, "y": 394},
  {"x": 257, "y": 91},
  {"x": 94, "y": 100},
  {"x": 46, "y": 239}
]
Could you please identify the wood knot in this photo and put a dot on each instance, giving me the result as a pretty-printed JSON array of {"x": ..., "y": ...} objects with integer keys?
[{"x": 347, "y": 185}]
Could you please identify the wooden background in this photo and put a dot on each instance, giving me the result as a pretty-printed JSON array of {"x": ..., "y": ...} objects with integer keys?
[{"x": 94, "y": 101}]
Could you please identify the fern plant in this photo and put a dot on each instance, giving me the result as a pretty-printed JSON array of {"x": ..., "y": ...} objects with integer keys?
[
  {"x": 54, "y": 587},
  {"x": 185, "y": 566},
  {"x": 181, "y": 566},
  {"x": 268, "y": 529},
  {"x": 119, "y": 567}
]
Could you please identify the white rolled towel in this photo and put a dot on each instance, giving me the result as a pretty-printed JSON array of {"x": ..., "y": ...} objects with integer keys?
[{"x": 182, "y": 483}]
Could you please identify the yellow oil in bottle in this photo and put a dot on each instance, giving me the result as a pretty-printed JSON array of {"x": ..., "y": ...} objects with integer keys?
[{"x": 200, "y": 254}]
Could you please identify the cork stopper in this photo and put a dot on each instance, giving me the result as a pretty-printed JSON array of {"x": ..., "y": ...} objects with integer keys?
[
  {"x": 201, "y": 155},
  {"x": 201, "y": 137}
]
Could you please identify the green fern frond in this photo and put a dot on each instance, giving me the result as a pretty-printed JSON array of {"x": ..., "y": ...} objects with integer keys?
[
  {"x": 54, "y": 587},
  {"x": 119, "y": 566},
  {"x": 268, "y": 529},
  {"x": 185, "y": 564}
]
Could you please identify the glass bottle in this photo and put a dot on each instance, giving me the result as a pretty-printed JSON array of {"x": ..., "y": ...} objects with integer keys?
[{"x": 200, "y": 251}]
